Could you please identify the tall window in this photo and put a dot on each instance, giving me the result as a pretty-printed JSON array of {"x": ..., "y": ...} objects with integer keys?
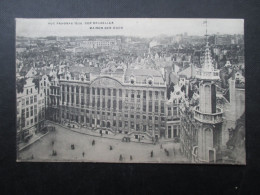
[
  {"x": 120, "y": 105},
  {"x": 156, "y": 106},
  {"x": 175, "y": 111},
  {"x": 162, "y": 94},
  {"x": 68, "y": 98},
  {"x": 35, "y": 109},
  {"x": 132, "y": 95},
  {"x": 144, "y": 94},
  {"x": 108, "y": 103},
  {"x": 138, "y": 94},
  {"x": 93, "y": 101},
  {"x": 31, "y": 110},
  {"x": 77, "y": 99},
  {"x": 120, "y": 92},
  {"x": 98, "y": 102},
  {"x": 114, "y": 92},
  {"x": 27, "y": 112},
  {"x": 162, "y": 107},
  {"x": 144, "y": 128},
  {"x": 169, "y": 111},
  {"x": 144, "y": 106},
  {"x": 103, "y": 103},
  {"x": 150, "y": 106},
  {"x": 156, "y": 94},
  {"x": 150, "y": 94},
  {"x": 82, "y": 99},
  {"x": 72, "y": 99}
]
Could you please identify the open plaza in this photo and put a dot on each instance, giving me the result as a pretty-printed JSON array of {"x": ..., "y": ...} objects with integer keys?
[{"x": 103, "y": 149}]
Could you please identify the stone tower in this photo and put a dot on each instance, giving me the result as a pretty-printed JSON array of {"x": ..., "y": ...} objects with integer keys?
[{"x": 207, "y": 115}]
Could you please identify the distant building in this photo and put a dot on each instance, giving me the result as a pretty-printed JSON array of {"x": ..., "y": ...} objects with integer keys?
[
  {"x": 222, "y": 40},
  {"x": 97, "y": 43}
]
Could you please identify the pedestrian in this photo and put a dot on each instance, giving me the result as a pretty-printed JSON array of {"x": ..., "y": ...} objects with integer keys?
[
  {"x": 93, "y": 142},
  {"x": 83, "y": 154},
  {"x": 161, "y": 146},
  {"x": 120, "y": 158},
  {"x": 32, "y": 156},
  {"x": 111, "y": 148},
  {"x": 52, "y": 143},
  {"x": 151, "y": 153},
  {"x": 131, "y": 158}
]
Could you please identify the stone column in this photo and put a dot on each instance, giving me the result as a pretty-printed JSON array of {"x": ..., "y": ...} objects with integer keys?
[{"x": 90, "y": 96}]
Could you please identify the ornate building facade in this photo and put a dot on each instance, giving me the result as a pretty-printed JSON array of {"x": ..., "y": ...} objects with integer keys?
[
  {"x": 31, "y": 107},
  {"x": 133, "y": 103}
]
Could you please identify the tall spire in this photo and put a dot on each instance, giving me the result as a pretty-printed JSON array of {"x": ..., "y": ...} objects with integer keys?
[
  {"x": 207, "y": 70},
  {"x": 207, "y": 65}
]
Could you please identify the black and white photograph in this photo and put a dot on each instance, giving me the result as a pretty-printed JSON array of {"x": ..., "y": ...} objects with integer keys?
[{"x": 130, "y": 90}]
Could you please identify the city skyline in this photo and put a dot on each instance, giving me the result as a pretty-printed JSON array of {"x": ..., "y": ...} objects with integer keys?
[{"x": 145, "y": 28}]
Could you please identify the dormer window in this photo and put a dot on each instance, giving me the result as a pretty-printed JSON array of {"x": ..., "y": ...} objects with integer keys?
[
  {"x": 67, "y": 78},
  {"x": 132, "y": 81},
  {"x": 150, "y": 82},
  {"x": 82, "y": 79}
]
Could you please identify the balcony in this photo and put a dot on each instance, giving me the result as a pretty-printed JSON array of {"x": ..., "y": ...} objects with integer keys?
[
  {"x": 207, "y": 75},
  {"x": 173, "y": 118},
  {"x": 209, "y": 118}
]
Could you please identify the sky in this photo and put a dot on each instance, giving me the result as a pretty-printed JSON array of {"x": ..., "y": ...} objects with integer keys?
[{"x": 142, "y": 27}]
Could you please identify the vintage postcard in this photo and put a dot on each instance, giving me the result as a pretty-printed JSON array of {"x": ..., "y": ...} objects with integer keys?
[{"x": 130, "y": 90}]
